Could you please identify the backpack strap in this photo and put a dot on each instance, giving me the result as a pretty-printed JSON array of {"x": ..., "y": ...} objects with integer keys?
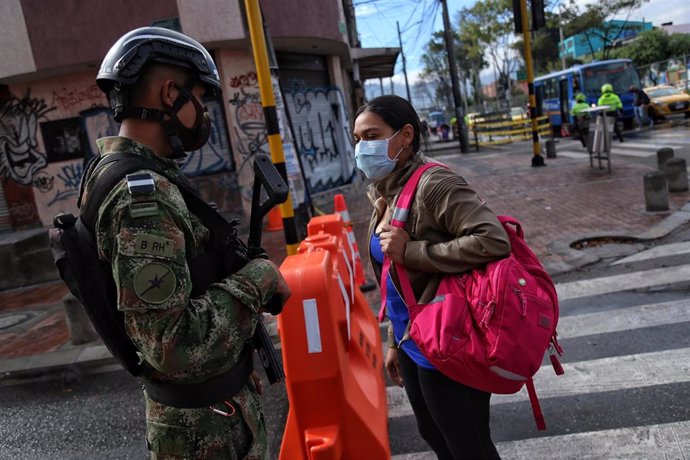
[
  {"x": 127, "y": 163},
  {"x": 111, "y": 176},
  {"x": 400, "y": 215},
  {"x": 536, "y": 407}
]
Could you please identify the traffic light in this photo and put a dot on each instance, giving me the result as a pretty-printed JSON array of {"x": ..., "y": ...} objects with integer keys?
[
  {"x": 517, "y": 16},
  {"x": 538, "y": 18}
]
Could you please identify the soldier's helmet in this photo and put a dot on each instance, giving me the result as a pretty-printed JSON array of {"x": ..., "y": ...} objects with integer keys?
[
  {"x": 606, "y": 88},
  {"x": 126, "y": 59},
  {"x": 579, "y": 97}
]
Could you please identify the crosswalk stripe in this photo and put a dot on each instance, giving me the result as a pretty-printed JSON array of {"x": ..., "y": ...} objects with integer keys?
[
  {"x": 572, "y": 154},
  {"x": 666, "y": 250},
  {"x": 667, "y": 440},
  {"x": 623, "y": 319},
  {"x": 625, "y": 282},
  {"x": 647, "y": 145},
  {"x": 586, "y": 377}
]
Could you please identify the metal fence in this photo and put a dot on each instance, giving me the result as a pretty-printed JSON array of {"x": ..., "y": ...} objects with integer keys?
[{"x": 674, "y": 72}]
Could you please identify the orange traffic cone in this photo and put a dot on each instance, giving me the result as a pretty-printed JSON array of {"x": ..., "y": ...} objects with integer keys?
[
  {"x": 275, "y": 221},
  {"x": 340, "y": 208}
]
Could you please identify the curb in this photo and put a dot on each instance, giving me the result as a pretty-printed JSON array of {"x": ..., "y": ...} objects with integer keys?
[
  {"x": 574, "y": 259},
  {"x": 77, "y": 358}
]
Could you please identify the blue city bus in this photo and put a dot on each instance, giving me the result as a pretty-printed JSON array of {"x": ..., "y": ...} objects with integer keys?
[{"x": 556, "y": 91}]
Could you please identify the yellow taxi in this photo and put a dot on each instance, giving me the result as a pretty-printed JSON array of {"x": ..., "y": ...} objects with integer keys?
[{"x": 667, "y": 100}]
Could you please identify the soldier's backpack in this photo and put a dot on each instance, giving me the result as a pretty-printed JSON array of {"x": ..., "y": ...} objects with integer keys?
[{"x": 90, "y": 279}]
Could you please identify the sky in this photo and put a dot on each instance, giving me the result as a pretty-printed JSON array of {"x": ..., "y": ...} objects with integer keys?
[{"x": 376, "y": 23}]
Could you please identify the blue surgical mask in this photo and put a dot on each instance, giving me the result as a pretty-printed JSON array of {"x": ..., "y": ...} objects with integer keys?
[{"x": 372, "y": 157}]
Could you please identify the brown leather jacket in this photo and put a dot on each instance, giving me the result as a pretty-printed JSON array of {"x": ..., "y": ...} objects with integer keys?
[{"x": 452, "y": 230}]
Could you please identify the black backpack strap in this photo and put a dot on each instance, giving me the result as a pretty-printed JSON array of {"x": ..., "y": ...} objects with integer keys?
[
  {"x": 124, "y": 163},
  {"x": 127, "y": 163}
]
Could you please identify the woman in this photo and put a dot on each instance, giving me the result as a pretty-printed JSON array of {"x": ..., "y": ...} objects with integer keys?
[{"x": 449, "y": 230}]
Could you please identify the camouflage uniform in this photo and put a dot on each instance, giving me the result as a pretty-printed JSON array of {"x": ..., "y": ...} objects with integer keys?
[{"x": 148, "y": 238}]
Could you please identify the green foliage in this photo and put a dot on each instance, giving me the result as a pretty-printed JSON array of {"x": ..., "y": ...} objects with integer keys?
[{"x": 650, "y": 46}]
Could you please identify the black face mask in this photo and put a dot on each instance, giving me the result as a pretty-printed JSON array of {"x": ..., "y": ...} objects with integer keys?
[{"x": 182, "y": 138}]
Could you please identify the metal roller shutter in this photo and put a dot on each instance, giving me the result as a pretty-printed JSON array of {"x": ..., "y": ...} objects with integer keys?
[{"x": 5, "y": 221}]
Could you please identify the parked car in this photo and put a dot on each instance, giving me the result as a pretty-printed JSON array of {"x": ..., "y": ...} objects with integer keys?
[
  {"x": 518, "y": 113},
  {"x": 667, "y": 100}
]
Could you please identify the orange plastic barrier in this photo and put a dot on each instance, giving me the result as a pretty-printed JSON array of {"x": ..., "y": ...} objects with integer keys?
[
  {"x": 341, "y": 209},
  {"x": 332, "y": 354},
  {"x": 275, "y": 220}
]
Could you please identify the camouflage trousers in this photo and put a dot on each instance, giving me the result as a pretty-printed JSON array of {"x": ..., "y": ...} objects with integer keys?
[{"x": 173, "y": 433}]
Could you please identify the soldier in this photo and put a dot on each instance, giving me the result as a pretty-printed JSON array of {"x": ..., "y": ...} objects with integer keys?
[{"x": 201, "y": 394}]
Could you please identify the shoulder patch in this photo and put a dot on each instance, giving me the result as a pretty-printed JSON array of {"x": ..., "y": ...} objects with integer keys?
[
  {"x": 140, "y": 183},
  {"x": 143, "y": 209},
  {"x": 153, "y": 245},
  {"x": 154, "y": 283}
]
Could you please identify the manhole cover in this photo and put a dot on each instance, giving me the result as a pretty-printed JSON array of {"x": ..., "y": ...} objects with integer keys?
[{"x": 10, "y": 320}]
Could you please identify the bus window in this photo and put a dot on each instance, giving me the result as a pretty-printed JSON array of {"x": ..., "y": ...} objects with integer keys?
[
  {"x": 622, "y": 75},
  {"x": 576, "y": 84}
]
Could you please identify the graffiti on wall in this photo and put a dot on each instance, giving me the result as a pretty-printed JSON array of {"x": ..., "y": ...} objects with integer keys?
[
  {"x": 64, "y": 139},
  {"x": 20, "y": 158},
  {"x": 250, "y": 126},
  {"x": 215, "y": 156},
  {"x": 66, "y": 98},
  {"x": 96, "y": 123},
  {"x": 66, "y": 182},
  {"x": 323, "y": 138}
]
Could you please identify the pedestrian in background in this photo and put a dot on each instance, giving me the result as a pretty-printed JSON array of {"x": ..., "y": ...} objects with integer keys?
[
  {"x": 201, "y": 394},
  {"x": 424, "y": 128},
  {"x": 580, "y": 117},
  {"x": 611, "y": 99},
  {"x": 640, "y": 103},
  {"x": 449, "y": 230}
]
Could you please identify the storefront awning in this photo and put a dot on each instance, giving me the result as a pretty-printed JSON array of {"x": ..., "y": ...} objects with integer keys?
[{"x": 375, "y": 62}]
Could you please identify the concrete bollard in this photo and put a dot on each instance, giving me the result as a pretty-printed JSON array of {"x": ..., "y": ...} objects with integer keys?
[
  {"x": 655, "y": 191},
  {"x": 677, "y": 175},
  {"x": 550, "y": 149},
  {"x": 78, "y": 323},
  {"x": 662, "y": 156}
]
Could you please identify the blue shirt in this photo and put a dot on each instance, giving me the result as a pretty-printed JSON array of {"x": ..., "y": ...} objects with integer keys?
[{"x": 397, "y": 310}]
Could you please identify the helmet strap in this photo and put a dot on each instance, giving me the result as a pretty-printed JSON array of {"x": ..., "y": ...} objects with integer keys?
[{"x": 173, "y": 124}]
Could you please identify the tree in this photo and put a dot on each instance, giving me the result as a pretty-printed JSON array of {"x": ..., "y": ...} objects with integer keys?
[
  {"x": 596, "y": 23},
  {"x": 653, "y": 46},
  {"x": 435, "y": 70},
  {"x": 489, "y": 25},
  {"x": 650, "y": 46}
]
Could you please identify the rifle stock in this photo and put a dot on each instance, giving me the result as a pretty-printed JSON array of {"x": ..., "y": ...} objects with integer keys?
[{"x": 266, "y": 177}]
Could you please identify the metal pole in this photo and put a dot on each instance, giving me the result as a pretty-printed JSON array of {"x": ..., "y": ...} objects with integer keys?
[
  {"x": 537, "y": 159},
  {"x": 407, "y": 84},
  {"x": 275, "y": 144},
  {"x": 381, "y": 85},
  {"x": 560, "y": 34},
  {"x": 464, "y": 148}
]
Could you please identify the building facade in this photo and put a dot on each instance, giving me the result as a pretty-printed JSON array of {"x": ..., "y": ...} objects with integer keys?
[
  {"x": 592, "y": 40},
  {"x": 51, "y": 111}
]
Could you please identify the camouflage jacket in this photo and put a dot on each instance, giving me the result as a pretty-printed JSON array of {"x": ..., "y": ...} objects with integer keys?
[{"x": 148, "y": 237}]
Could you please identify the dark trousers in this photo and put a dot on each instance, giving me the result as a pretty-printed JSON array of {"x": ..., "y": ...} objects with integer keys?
[{"x": 451, "y": 417}]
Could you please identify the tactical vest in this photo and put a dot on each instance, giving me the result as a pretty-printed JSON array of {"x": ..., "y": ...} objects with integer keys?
[{"x": 74, "y": 248}]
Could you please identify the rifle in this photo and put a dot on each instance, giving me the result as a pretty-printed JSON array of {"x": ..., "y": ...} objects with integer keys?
[{"x": 266, "y": 176}]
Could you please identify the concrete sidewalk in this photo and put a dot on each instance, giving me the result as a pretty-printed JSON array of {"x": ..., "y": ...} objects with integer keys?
[{"x": 558, "y": 205}]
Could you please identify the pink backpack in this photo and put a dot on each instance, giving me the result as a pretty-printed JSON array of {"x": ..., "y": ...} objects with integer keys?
[{"x": 489, "y": 328}]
